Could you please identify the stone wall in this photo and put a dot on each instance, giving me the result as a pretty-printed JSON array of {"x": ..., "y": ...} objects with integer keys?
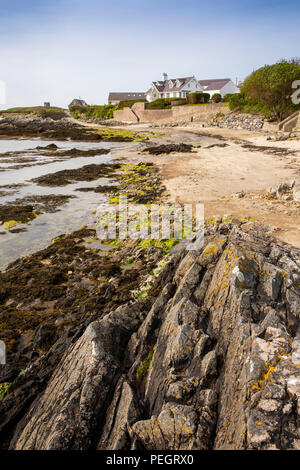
[
  {"x": 125, "y": 115},
  {"x": 291, "y": 123},
  {"x": 201, "y": 113},
  {"x": 150, "y": 115},
  {"x": 239, "y": 121}
]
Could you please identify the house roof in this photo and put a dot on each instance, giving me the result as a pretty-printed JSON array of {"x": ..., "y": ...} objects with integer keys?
[
  {"x": 78, "y": 102},
  {"x": 136, "y": 95},
  {"x": 164, "y": 86},
  {"x": 215, "y": 84}
]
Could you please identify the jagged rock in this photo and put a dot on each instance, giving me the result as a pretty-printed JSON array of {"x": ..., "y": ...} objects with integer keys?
[
  {"x": 121, "y": 414},
  {"x": 74, "y": 400},
  {"x": 211, "y": 361},
  {"x": 174, "y": 428},
  {"x": 287, "y": 191}
]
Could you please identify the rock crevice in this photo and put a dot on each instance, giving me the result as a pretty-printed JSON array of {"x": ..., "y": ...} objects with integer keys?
[{"x": 212, "y": 364}]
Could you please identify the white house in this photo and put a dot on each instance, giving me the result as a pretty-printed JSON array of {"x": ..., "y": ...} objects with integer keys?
[
  {"x": 173, "y": 88},
  {"x": 177, "y": 88},
  {"x": 223, "y": 86}
]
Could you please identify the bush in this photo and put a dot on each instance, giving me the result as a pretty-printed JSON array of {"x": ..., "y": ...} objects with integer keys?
[
  {"x": 237, "y": 102},
  {"x": 197, "y": 98},
  {"x": 160, "y": 103},
  {"x": 216, "y": 98},
  {"x": 128, "y": 104},
  {"x": 270, "y": 88},
  {"x": 227, "y": 97},
  {"x": 166, "y": 103},
  {"x": 103, "y": 112}
]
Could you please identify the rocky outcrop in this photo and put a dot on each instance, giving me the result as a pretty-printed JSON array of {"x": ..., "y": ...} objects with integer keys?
[
  {"x": 212, "y": 363},
  {"x": 288, "y": 191},
  {"x": 15, "y": 126},
  {"x": 248, "y": 122}
]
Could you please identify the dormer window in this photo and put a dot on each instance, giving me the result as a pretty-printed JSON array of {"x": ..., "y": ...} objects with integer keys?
[{"x": 171, "y": 84}]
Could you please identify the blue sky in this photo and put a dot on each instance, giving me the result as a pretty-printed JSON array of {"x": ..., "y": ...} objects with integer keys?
[{"x": 55, "y": 50}]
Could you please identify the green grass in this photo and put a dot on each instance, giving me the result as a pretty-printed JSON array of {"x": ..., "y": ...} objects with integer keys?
[
  {"x": 166, "y": 245},
  {"x": 100, "y": 112},
  {"x": 128, "y": 104},
  {"x": 144, "y": 367},
  {"x": 39, "y": 111},
  {"x": 3, "y": 388}
]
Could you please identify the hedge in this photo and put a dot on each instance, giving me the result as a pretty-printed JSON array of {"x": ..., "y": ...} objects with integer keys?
[
  {"x": 197, "y": 98},
  {"x": 216, "y": 98}
]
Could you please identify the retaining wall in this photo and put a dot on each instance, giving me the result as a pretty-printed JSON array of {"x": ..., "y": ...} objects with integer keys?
[{"x": 138, "y": 113}]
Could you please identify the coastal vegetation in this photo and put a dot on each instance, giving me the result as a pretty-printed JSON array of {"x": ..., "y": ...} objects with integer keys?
[
  {"x": 268, "y": 91},
  {"x": 93, "y": 112},
  {"x": 39, "y": 111},
  {"x": 101, "y": 112}
]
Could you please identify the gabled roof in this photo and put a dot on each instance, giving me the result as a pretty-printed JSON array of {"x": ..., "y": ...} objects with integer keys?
[
  {"x": 78, "y": 102},
  {"x": 215, "y": 84},
  {"x": 136, "y": 95},
  {"x": 164, "y": 86}
]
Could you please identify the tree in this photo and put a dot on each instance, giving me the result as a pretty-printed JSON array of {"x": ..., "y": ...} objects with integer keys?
[
  {"x": 216, "y": 98},
  {"x": 271, "y": 86}
]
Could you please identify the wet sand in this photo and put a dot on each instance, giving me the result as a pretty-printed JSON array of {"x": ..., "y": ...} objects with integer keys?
[{"x": 213, "y": 174}]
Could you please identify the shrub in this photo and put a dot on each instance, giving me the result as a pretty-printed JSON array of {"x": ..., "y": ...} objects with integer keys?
[
  {"x": 197, "y": 98},
  {"x": 216, "y": 98},
  {"x": 165, "y": 103},
  {"x": 227, "y": 97},
  {"x": 160, "y": 103},
  {"x": 128, "y": 104},
  {"x": 101, "y": 112},
  {"x": 271, "y": 87},
  {"x": 237, "y": 102}
]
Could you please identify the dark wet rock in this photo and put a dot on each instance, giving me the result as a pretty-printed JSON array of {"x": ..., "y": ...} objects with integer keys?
[
  {"x": 210, "y": 360},
  {"x": 62, "y": 129},
  {"x": 47, "y": 147},
  {"x": 281, "y": 151},
  {"x": 169, "y": 148},
  {"x": 45, "y": 336},
  {"x": 223, "y": 145},
  {"x": 73, "y": 152},
  {"x": 64, "y": 286},
  {"x": 26, "y": 209},
  {"x": 86, "y": 173},
  {"x": 21, "y": 214}
]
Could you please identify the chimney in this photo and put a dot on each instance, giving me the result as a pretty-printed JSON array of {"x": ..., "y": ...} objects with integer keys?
[{"x": 165, "y": 76}]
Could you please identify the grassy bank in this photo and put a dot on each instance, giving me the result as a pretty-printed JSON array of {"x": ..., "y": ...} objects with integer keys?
[{"x": 39, "y": 111}]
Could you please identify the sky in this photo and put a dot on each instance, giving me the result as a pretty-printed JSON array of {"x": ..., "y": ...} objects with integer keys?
[{"x": 57, "y": 50}]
